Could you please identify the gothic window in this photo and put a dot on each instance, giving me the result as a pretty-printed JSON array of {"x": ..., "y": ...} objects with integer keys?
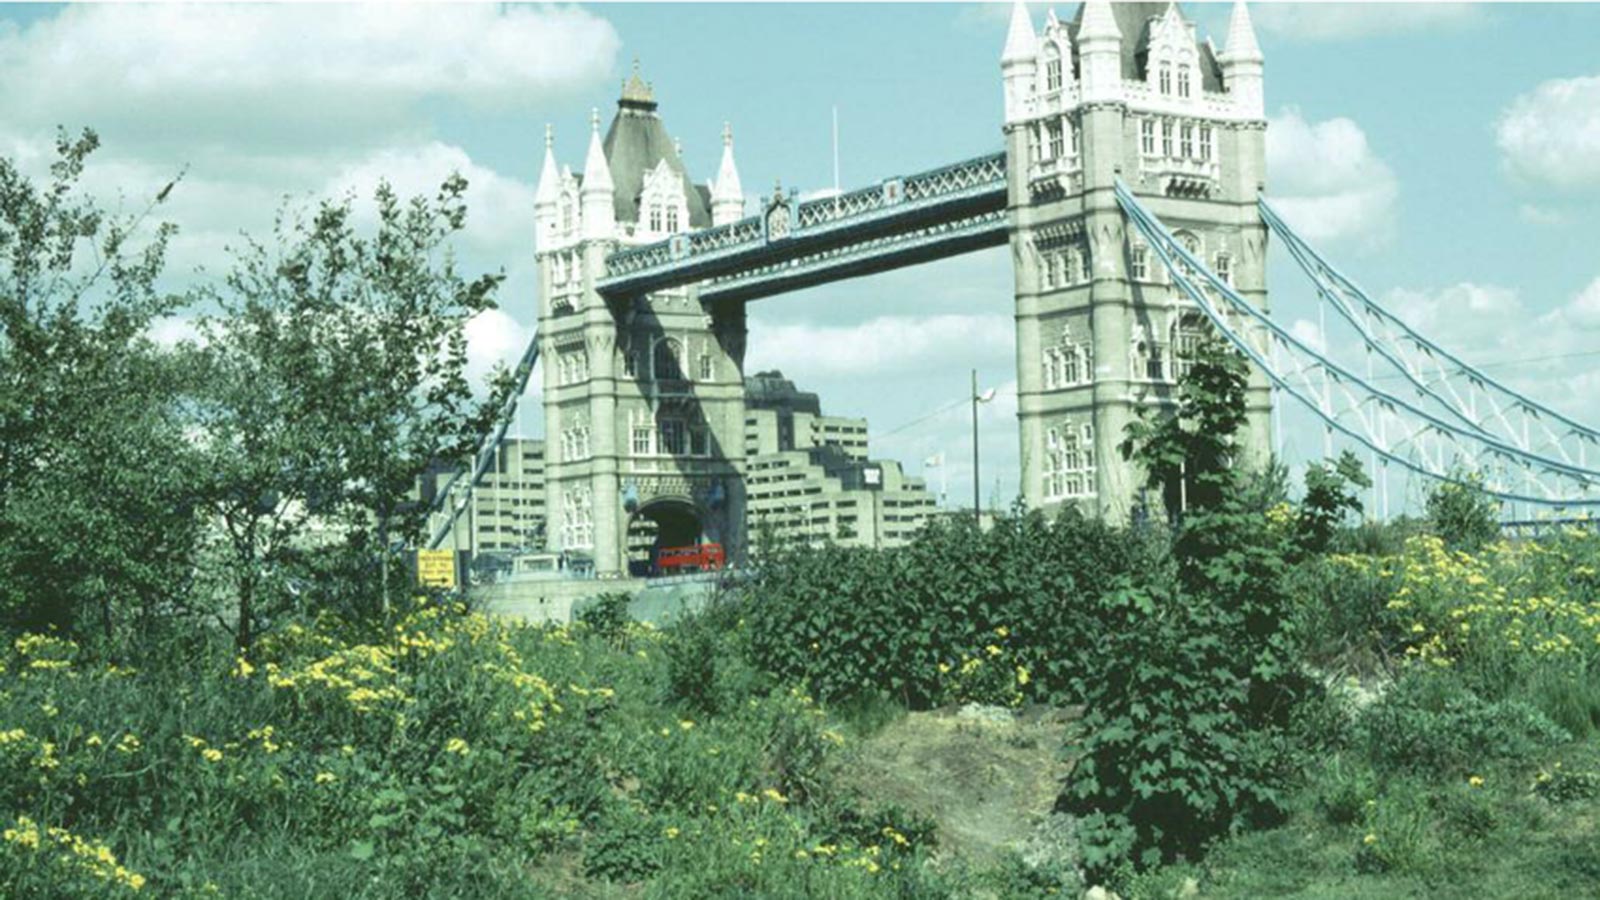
[
  {"x": 643, "y": 440},
  {"x": 1149, "y": 357},
  {"x": 1069, "y": 461},
  {"x": 1070, "y": 362},
  {"x": 707, "y": 368},
  {"x": 656, "y": 217},
  {"x": 1166, "y": 137},
  {"x": 1187, "y": 333},
  {"x": 1069, "y": 266},
  {"x": 577, "y": 519},
  {"x": 672, "y": 218},
  {"x": 1205, "y": 143},
  {"x": 1139, "y": 266},
  {"x": 1052, "y": 68},
  {"x": 1047, "y": 270},
  {"x": 1056, "y": 148},
  {"x": 567, "y": 212},
  {"x": 1224, "y": 268},
  {"x": 1187, "y": 141},
  {"x": 573, "y": 366},
  {"x": 1166, "y": 78},
  {"x": 1147, "y": 137},
  {"x": 672, "y": 437},
  {"x": 1183, "y": 81},
  {"x": 1085, "y": 271},
  {"x": 669, "y": 360}
]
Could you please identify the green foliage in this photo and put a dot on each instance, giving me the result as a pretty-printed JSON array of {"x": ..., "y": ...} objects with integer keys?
[
  {"x": 96, "y": 529},
  {"x": 607, "y": 617},
  {"x": 1188, "y": 454},
  {"x": 332, "y": 376},
  {"x": 852, "y": 622},
  {"x": 1462, "y": 514},
  {"x": 1428, "y": 723},
  {"x": 1331, "y": 498}
]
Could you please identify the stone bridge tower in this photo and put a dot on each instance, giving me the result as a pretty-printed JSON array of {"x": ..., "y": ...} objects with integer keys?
[
  {"x": 1128, "y": 91},
  {"x": 644, "y": 397}
]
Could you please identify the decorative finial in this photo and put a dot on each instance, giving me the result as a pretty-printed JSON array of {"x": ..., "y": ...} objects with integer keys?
[
  {"x": 727, "y": 135},
  {"x": 549, "y": 136},
  {"x": 594, "y": 118}
]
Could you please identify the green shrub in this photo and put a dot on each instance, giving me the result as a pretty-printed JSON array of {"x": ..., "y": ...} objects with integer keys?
[
  {"x": 1462, "y": 514},
  {"x": 1429, "y": 723},
  {"x": 607, "y": 617}
]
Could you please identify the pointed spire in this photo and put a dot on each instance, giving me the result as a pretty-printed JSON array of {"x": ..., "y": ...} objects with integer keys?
[
  {"x": 596, "y": 172},
  {"x": 548, "y": 177},
  {"x": 727, "y": 194},
  {"x": 1098, "y": 22},
  {"x": 1242, "y": 44},
  {"x": 1021, "y": 42}
]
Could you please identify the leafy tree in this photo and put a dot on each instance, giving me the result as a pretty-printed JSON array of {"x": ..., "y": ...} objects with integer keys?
[
  {"x": 1462, "y": 513},
  {"x": 94, "y": 517},
  {"x": 1188, "y": 454},
  {"x": 333, "y": 374},
  {"x": 1331, "y": 497},
  {"x": 1186, "y": 721}
]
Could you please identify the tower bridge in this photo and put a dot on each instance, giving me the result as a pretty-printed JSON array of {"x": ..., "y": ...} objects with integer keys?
[{"x": 1130, "y": 192}]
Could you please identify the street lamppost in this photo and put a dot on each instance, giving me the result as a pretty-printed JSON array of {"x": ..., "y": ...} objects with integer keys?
[{"x": 985, "y": 397}]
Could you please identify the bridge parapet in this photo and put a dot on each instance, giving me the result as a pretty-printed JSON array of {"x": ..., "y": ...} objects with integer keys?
[{"x": 895, "y": 205}]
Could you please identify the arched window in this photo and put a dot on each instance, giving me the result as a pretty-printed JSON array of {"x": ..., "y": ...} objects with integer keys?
[
  {"x": 656, "y": 217},
  {"x": 1052, "y": 68},
  {"x": 1187, "y": 334},
  {"x": 672, "y": 218},
  {"x": 1057, "y": 149},
  {"x": 1166, "y": 78},
  {"x": 567, "y": 212},
  {"x": 668, "y": 362},
  {"x": 1183, "y": 81}
]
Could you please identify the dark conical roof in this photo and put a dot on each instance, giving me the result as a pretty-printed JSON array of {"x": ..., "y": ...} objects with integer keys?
[
  {"x": 636, "y": 143},
  {"x": 1133, "y": 20}
]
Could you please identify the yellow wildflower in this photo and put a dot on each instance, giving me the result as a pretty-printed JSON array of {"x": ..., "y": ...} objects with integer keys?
[{"x": 457, "y": 746}]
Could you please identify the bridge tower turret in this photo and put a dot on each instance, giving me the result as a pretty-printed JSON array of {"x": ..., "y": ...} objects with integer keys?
[
  {"x": 1127, "y": 91},
  {"x": 643, "y": 396}
]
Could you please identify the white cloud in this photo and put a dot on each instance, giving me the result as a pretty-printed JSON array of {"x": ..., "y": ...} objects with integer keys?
[
  {"x": 494, "y": 337},
  {"x": 898, "y": 344},
  {"x": 1552, "y": 134},
  {"x": 1307, "y": 332},
  {"x": 1584, "y": 309},
  {"x": 1460, "y": 317},
  {"x": 1534, "y": 214},
  {"x": 1347, "y": 21},
  {"x": 193, "y": 75},
  {"x": 1327, "y": 181}
]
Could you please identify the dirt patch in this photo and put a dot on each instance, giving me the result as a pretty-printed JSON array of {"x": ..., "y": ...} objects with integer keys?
[{"x": 987, "y": 776}]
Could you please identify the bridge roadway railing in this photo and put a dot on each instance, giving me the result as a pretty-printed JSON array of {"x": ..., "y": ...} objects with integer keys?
[{"x": 896, "y": 205}]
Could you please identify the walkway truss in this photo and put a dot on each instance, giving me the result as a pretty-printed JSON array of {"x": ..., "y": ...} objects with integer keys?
[{"x": 1444, "y": 419}]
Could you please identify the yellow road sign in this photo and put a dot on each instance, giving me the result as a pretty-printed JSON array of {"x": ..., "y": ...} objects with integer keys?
[{"x": 436, "y": 568}]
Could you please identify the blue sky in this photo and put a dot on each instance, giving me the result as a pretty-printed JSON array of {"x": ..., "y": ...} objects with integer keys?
[{"x": 1447, "y": 156}]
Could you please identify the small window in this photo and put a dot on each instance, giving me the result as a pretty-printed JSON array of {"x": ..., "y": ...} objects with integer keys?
[
  {"x": 668, "y": 361},
  {"x": 655, "y": 217},
  {"x": 1187, "y": 144},
  {"x": 1085, "y": 271},
  {"x": 1052, "y": 68},
  {"x": 1047, "y": 269},
  {"x": 641, "y": 440},
  {"x": 1166, "y": 78},
  {"x": 1205, "y": 143},
  {"x": 1139, "y": 270},
  {"x": 1033, "y": 144},
  {"x": 1077, "y": 144},
  {"x": 1224, "y": 268},
  {"x": 1147, "y": 137},
  {"x": 707, "y": 370},
  {"x": 630, "y": 365},
  {"x": 1057, "y": 150},
  {"x": 672, "y": 218},
  {"x": 699, "y": 443},
  {"x": 672, "y": 437},
  {"x": 1166, "y": 138},
  {"x": 1183, "y": 81}
]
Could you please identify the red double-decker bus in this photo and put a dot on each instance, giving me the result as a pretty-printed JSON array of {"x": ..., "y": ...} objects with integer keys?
[{"x": 698, "y": 558}]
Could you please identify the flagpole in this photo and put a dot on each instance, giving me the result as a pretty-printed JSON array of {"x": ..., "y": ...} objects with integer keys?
[{"x": 977, "y": 514}]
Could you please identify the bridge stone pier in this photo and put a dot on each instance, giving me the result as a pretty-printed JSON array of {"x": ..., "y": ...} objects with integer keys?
[{"x": 644, "y": 275}]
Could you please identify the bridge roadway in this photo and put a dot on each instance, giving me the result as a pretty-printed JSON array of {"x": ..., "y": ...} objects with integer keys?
[{"x": 790, "y": 245}]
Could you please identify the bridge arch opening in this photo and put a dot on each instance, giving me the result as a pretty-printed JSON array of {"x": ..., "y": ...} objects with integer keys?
[{"x": 661, "y": 524}]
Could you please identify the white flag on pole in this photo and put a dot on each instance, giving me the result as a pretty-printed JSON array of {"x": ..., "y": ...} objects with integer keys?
[{"x": 934, "y": 461}]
